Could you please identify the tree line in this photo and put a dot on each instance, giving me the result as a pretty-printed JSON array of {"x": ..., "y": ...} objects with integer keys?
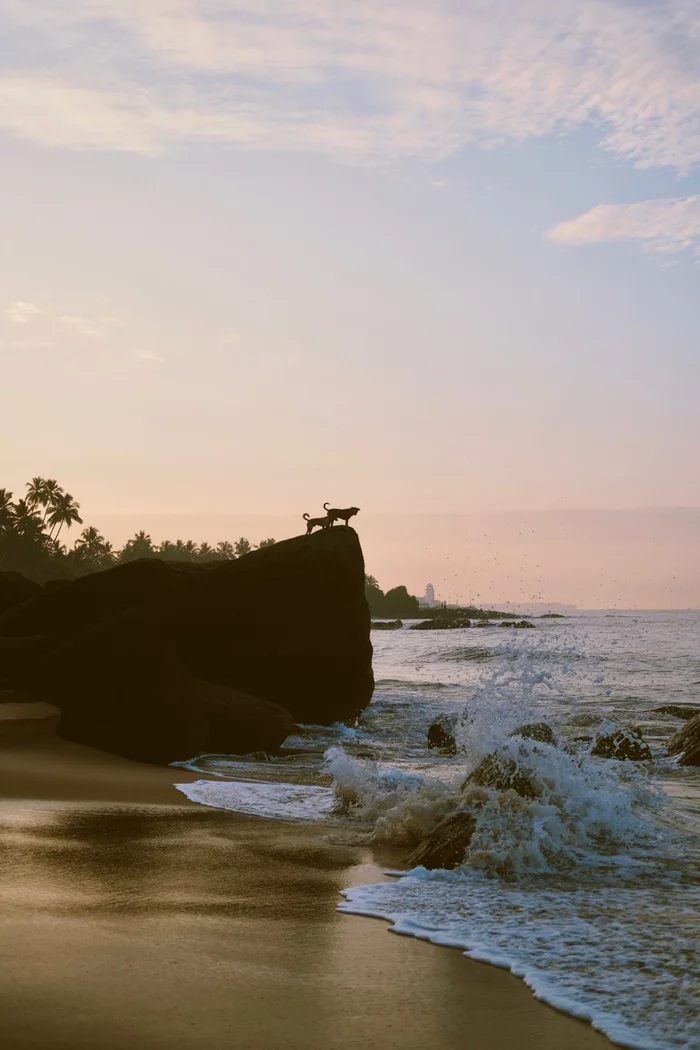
[
  {"x": 395, "y": 604},
  {"x": 31, "y": 529}
]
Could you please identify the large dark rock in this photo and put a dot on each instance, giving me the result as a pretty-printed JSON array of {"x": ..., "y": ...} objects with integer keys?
[
  {"x": 446, "y": 845},
  {"x": 16, "y": 653},
  {"x": 239, "y": 723},
  {"x": 289, "y": 623},
  {"x": 15, "y": 589},
  {"x": 625, "y": 745},
  {"x": 686, "y": 743},
  {"x": 386, "y": 625},
  {"x": 61, "y": 613},
  {"x": 122, "y": 689},
  {"x": 12, "y": 696}
]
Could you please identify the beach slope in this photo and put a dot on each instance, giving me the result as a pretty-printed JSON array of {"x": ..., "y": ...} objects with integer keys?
[{"x": 131, "y": 918}]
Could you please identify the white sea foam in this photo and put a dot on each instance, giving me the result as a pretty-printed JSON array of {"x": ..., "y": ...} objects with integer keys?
[
  {"x": 622, "y": 955},
  {"x": 281, "y": 801},
  {"x": 590, "y": 890}
]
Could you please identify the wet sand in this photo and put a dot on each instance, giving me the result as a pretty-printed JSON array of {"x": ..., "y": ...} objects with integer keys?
[{"x": 132, "y": 918}]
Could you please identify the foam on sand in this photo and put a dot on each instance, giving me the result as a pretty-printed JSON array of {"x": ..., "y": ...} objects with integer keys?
[{"x": 258, "y": 799}]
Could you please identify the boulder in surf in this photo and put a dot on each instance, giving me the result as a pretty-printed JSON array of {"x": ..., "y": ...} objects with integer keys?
[
  {"x": 446, "y": 845},
  {"x": 686, "y": 743},
  {"x": 624, "y": 745}
]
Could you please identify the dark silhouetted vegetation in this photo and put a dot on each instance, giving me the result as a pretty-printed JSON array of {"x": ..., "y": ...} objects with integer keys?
[
  {"x": 394, "y": 604},
  {"x": 30, "y": 539}
]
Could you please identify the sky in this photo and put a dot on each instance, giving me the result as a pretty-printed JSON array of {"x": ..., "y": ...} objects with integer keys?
[{"x": 437, "y": 259}]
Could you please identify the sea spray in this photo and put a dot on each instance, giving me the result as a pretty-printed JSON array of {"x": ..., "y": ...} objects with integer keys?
[{"x": 590, "y": 888}]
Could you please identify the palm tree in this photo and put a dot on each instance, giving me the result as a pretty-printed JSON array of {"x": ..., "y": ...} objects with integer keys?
[
  {"x": 52, "y": 494},
  {"x": 6, "y": 509},
  {"x": 25, "y": 520},
  {"x": 36, "y": 493},
  {"x": 140, "y": 546},
  {"x": 205, "y": 552},
  {"x": 225, "y": 550},
  {"x": 24, "y": 543},
  {"x": 64, "y": 512},
  {"x": 266, "y": 543},
  {"x": 93, "y": 550},
  {"x": 89, "y": 540},
  {"x": 242, "y": 547}
]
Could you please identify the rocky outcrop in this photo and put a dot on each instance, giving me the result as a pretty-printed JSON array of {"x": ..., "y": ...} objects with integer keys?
[
  {"x": 686, "y": 743},
  {"x": 540, "y": 731},
  {"x": 239, "y": 723},
  {"x": 498, "y": 770},
  {"x": 17, "y": 653},
  {"x": 517, "y": 624},
  {"x": 386, "y": 625},
  {"x": 21, "y": 720},
  {"x": 15, "y": 589},
  {"x": 288, "y": 624},
  {"x": 442, "y": 624},
  {"x": 625, "y": 745},
  {"x": 441, "y": 736},
  {"x": 447, "y": 844},
  {"x": 122, "y": 689},
  {"x": 683, "y": 711}
]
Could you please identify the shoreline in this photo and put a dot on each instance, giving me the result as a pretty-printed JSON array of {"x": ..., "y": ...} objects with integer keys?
[{"x": 133, "y": 917}]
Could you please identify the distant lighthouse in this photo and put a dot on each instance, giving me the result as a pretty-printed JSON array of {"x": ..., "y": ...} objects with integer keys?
[{"x": 429, "y": 598}]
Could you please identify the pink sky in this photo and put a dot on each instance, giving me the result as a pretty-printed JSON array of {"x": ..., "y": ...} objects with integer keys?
[{"x": 594, "y": 559}]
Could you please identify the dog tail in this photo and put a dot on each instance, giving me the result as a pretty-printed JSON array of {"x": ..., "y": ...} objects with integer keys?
[
  {"x": 305, "y": 517},
  {"x": 326, "y": 507}
]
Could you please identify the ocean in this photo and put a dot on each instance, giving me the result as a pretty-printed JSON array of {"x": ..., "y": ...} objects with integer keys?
[{"x": 591, "y": 891}]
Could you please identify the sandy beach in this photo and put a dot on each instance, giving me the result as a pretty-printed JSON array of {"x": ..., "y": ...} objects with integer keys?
[{"x": 131, "y": 918}]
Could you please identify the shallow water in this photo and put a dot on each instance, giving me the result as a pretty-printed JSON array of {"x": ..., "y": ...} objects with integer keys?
[{"x": 591, "y": 891}]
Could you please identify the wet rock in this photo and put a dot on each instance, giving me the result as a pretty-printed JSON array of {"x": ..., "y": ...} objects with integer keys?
[
  {"x": 623, "y": 745},
  {"x": 439, "y": 736},
  {"x": 239, "y": 723},
  {"x": 686, "y": 743},
  {"x": 498, "y": 770},
  {"x": 446, "y": 845},
  {"x": 540, "y": 731},
  {"x": 386, "y": 625},
  {"x": 517, "y": 624},
  {"x": 679, "y": 711},
  {"x": 453, "y": 623}
]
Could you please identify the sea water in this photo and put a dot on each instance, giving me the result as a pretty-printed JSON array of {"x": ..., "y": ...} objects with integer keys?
[{"x": 590, "y": 891}]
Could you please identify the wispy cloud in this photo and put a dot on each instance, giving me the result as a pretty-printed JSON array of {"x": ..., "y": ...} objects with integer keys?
[
  {"x": 150, "y": 356},
  {"x": 666, "y": 225},
  {"x": 21, "y": 312},
  {"x": 355, "y": 79}
]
